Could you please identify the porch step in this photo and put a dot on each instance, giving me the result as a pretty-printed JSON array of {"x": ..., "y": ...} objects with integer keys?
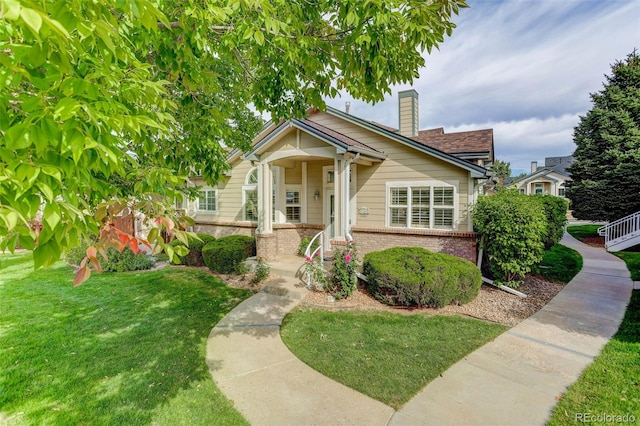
[
  {"x": 276, "y": 288},
  {"x": 624, "y": 242}
]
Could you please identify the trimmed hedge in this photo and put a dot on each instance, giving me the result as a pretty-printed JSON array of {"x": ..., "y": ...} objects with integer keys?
[
  {"x": 414, "y": 276},
  {"x": 116, "y": 261},
  {"x": 514, "y": 227},
  {"x": 194, "y": 257},
  {"x": 555, "y": 209},
  {"x": 225, "y": 254}
]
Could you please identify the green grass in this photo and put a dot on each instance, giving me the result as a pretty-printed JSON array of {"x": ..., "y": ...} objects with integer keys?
[
  {"x": 560, "y": 264},
  {"x": 387, "y": 356},
  {"x": 582, "y": 231},
  {"x": 124, "y": 348},
  {"x": 632, "y": 259},
  {"x": 611, "y": 385}
]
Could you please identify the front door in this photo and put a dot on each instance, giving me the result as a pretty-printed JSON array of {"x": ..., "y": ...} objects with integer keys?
[{"x": 329, "y": 217}]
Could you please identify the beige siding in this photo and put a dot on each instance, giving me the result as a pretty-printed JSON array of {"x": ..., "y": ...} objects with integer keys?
[
  {"x": 293, "y": 175},
  {"x": 402, "y": 164},
  {"x": 229, "y": 194},
  {"x": 314, "y": 183}
]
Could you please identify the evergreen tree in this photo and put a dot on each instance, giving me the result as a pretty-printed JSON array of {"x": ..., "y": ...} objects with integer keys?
[
  {"x": 606, "y": 171},
  {"x": 502, "y": 170}
]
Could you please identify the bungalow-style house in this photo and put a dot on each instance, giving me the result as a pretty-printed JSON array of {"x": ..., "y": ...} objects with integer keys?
[
  {"x": 550, "y": 179},
  {"x": 336, "y": 173}
]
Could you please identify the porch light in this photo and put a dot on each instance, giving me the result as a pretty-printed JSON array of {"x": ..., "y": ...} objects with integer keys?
[{"x": 316, "y": 195}]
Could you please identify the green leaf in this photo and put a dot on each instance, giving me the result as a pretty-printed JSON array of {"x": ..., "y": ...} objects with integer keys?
[
  {"x": 259, "y": 37},
  {"x": 11, "y": 220},
  {"x": 66, "y": 109},
  {"x": 46, "y": 254},
  {"x": 46, "y": 190},
  {"x": 10, "y": 10},
  {"x": 26, "y": 242},
  {"x": 32, "y": 19},
  {"x": 52, "y": 215}
]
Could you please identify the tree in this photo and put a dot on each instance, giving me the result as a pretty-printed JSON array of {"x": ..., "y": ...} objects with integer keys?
[
  {"x": 111, "y": 104},
  {"x": 606, "y": 170},
  {"x": 502, "y": 170}
]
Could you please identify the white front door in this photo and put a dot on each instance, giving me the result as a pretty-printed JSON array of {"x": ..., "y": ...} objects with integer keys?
[{"x": 329, "y": 217}]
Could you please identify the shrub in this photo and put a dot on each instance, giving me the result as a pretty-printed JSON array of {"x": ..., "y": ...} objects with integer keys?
[
  {"x": 555, "y": 209},
  {"x": 116, "y": 261},
  {"x": 411, "y": 276},
  {"x": 225, "y": 254},
  {"x": 262, "y": 273},
  {"x": 194, "y": 257},
  {"x": 343, "y": 280},
  {"x": 514, "y": 228},
  {"x": 126, "y": 260}
]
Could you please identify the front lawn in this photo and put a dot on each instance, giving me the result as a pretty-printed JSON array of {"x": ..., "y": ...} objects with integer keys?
[
  {"x": 560, "y": 264},
  {"x": 632, "y": 259},
  {"x": 611, "y": 385},
  {"x": 125, "y": 348},
  {"x": 387, "y": 356},
  {"x": 583, "y": 231}
]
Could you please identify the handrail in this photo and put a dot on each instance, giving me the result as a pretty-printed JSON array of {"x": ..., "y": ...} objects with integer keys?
[
  {"x": 309, "y": 256},
  {"x": 621, "y": 229}
]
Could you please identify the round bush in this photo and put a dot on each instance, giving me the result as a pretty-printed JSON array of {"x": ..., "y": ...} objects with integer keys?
[
  {"x": 225, "y": 254},
  {"x": 413, "y": 276},
  {"x": 194, "y": 257}
]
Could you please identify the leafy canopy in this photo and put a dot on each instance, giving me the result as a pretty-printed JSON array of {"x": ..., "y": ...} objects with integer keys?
[
  {"x": 606, "y": 170},
  {"x": 107, "y": 105}
]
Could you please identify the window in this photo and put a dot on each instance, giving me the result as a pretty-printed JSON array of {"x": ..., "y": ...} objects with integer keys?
[
  {"x": 207, "y": 200},
  {"x": 398, "y": 207},
  {"x": 443, "y": 207},
  {"x": 421, "y": 206},
  {"x": 522, "y": 190},
  {"x": 293, "y": 206},
  {"x": 250, "y": 195},
  {"x": 561, "y": 191},
  {"x": 539, "y": 188}
]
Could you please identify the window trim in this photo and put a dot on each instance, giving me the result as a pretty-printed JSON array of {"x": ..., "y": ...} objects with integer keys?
[
  {"x": 207, "y": 190},
  {"x": 298, "y": 189},
  {"x": 431, "y": 184},
  {"x": 246, "y": 187}
]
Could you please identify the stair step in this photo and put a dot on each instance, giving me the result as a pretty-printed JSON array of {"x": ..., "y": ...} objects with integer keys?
[{"x": 279, "y": 290}]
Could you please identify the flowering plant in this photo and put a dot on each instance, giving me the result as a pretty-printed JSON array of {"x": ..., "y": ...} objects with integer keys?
[
  {"x": 314, "y": 271},
  {"x": 343, "y": 279}
]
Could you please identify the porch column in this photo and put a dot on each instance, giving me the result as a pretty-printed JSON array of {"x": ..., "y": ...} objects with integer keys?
[
  {"x": 338, "y": 191},
  {"x": 265, "y": 190}
]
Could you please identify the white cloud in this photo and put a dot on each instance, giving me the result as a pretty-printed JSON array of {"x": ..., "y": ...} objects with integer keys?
[{"x": 524, "y": 68}]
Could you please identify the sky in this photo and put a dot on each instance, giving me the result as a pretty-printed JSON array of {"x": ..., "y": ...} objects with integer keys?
[{"x": 524, "y": 68}]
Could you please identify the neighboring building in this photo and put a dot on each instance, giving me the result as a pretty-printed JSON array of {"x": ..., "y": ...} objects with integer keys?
[
  {"x": 550, "y": 179},
  {"x": 337, "y": 173}
]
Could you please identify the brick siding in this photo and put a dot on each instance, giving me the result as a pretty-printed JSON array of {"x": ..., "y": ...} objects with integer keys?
[{"x": 460, "y": 244}]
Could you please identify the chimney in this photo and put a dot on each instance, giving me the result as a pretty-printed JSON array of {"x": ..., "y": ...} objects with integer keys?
[
  {"x": 347, "y": 107},
  {"x": 408, "y": 113},
  {"x": 534, "y": 166}
]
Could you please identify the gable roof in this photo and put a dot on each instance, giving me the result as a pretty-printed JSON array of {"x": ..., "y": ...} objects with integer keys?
[
  {"x": 349, "y": 144},
  {"x": 474, "y": 141},
  {"x": 476, "y": 171},
  {"x": 331, "y": 137},
  {"x": 471, "y": 142},
  {"x": 543, "y": 172}
]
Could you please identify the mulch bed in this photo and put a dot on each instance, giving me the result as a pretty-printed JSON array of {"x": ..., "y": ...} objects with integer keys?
[{"x": 492, "y": 304}]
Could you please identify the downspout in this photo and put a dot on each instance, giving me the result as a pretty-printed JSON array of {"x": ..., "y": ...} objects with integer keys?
[{"x": 347, "y": 197}]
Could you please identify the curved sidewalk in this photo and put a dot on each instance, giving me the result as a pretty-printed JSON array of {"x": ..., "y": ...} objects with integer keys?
[{"x": 514, "y": 379}]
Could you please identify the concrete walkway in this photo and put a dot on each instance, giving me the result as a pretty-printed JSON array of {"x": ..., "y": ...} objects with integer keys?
[{"x": 514, "y": 379}]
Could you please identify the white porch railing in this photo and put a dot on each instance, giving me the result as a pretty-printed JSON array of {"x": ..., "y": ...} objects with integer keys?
[
  {"x": 308, "y": 254},
  {"x": 622, "y": 233}
]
